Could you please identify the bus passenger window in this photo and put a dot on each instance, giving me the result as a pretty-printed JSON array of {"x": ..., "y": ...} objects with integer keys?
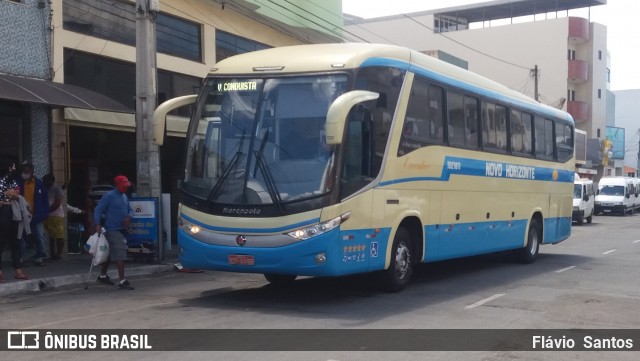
[
  {"x": 549, "y": 142},
  {"x": 527, "y": 135},
  {"x": 517, "y": 132},
  {"x": 489, "y": 139},
  {"x": 423, "y": 121},
  {"x": 456, "y": 121},
  {"x": 471, "y": 121},
  {"x": 501, "y": 127},
  {"x": 564, "y": 141}
]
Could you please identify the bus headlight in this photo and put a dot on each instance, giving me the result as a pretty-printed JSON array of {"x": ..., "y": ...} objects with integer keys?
[
  {"x": 318, "y": 229},
  {"x": 188, "y": 226}
]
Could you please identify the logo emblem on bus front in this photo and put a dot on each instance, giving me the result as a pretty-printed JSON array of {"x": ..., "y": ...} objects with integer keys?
[{"x": 241, "y": 240}]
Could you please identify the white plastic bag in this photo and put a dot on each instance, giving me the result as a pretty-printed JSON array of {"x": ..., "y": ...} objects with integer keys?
[{"x": 98, "y": 248}]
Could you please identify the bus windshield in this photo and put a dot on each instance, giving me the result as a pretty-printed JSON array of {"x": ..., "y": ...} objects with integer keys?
[{"x": 261, "y": 141}]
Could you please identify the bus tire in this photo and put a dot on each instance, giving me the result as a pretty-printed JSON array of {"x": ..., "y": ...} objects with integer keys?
[
  {"x": 529, "y": 253},
  {"x": 279, "y": 280},
  {"x": 397, "y": 276},
  {"x": 590, "y": 219}
]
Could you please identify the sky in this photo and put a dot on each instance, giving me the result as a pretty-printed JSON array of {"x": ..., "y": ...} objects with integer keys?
[{"x": 620, "y": 17}]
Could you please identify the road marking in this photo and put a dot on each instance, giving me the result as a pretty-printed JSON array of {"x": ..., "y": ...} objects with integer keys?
[
  {"x": 565, "y": 269},
  {"x": 638, "y": 241},
  {"x": 482, "y": 302},
  {"x": 609, "y": 251}
]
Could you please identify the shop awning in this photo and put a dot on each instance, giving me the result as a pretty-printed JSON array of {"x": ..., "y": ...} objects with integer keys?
[{"x": 56, "y": 94}]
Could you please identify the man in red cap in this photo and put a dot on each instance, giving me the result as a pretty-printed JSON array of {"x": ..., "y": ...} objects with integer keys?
[{"x": 118, "y": 213}]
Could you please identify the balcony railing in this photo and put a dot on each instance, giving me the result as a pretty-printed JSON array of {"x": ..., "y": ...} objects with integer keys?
[
  {"x": 579, "y": 111},
  {"x": 578, "y": 30},
  {"x": 578, "y": 71}
]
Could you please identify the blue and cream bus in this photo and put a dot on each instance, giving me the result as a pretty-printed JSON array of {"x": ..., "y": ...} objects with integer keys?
[{"x": 337, "y": 159}]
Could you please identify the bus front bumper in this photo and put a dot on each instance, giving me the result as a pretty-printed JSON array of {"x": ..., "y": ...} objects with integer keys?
[{"x": 311, "y": 257}]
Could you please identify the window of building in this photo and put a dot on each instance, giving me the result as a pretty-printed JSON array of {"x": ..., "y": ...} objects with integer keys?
[
  {"x": 116, "y": 21},
  {"x": 599, "y": 93},
  {"x": 117, "y": 79},
  {"x": 599, "y": 54},
  {"x": 228, "y": 44},
  {"x": 178, "y": 37},
  {"x": 572, "y": 54},
  {"x": 571, "y": 95}
]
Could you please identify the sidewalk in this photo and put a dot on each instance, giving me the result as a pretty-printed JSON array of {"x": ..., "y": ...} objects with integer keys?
[{"x": 73, "y": 270}]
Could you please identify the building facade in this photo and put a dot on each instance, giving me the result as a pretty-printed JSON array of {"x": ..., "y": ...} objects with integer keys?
[
  {"x": 25, "y": 39},
  {"x": 628, "y": 117},
  {"x": 530, "y": 46}
]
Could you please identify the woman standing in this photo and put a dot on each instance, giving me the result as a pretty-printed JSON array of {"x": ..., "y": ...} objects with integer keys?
[{"x": 8, "y": 227}]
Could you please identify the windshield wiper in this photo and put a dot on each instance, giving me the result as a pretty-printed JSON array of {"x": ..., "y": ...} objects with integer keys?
[
  {"x": 232, "y": 164},
  {"x": 268, "y": 177}
]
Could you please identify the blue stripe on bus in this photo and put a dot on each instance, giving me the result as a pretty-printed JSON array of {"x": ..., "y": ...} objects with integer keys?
[
  {"x": 363, "y": 250},
  {"x": 485, "y": 168},
  {"x": 461, "y": 85},
  {"x": 469, "y": 239},
  {"x": 246, "y": 230}
]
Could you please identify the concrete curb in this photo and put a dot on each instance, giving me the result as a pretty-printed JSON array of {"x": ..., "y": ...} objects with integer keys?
[{"x": 47, "y": 283}]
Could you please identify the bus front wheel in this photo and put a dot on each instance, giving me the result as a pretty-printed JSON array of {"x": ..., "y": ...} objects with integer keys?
[
  {"x": 529, "y": 253},
  {"x": 396, "y": 277}
]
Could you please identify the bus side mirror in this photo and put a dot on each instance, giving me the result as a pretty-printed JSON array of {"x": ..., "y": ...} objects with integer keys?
[
  {"x": 338, "y": 111},
  {"x": 160, "y": 115},
  {"x": 586, "y": 198}
]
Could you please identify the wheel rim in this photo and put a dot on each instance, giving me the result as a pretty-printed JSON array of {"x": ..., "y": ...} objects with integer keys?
[
  {"x": 533, "y": 242},
  {"x": 403, "y": 261}
]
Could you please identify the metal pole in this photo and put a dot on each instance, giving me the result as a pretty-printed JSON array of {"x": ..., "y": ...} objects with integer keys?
[
  {"x": 535, "y": 76},
  {"x": 147, "y": 153}
]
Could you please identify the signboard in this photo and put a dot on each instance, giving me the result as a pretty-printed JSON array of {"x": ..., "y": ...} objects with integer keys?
[
  {"x": 616, "y": 136},
  {"x": 144, "y": 225}
]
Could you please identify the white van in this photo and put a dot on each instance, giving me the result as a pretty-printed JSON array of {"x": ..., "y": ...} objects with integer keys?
[
  {"x": 615, "y": 195},
  {"x": 584, "y": 197}
]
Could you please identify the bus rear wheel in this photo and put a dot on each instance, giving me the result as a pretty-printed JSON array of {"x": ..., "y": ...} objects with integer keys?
[
  {"x": 396, "y": 277},
  {"x": 280, "y": 280},
  {"x": 529, "y": 253}
]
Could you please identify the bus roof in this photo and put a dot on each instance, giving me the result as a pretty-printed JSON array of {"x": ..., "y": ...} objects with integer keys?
[{"x": 332, "y": 57}]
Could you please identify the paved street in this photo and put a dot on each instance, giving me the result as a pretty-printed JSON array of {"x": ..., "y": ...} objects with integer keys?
[{"x": 588, "y": 281}]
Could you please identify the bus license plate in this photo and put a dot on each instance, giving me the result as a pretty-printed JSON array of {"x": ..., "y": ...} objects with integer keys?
[{"x": 241, "y": 259}]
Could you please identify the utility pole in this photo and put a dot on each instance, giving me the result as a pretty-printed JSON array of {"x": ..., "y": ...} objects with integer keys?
[
  {"x": 534, "y": 73},
  {"x": 147, "y": 153}
]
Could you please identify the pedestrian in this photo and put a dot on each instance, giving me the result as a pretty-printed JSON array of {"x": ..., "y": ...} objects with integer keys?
[
  {"x": 54, "y": 223},
  {"x": 114, "y": 205},
  {"x": 33, "y": 190},
  {"x": 8, "y": 227}
]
